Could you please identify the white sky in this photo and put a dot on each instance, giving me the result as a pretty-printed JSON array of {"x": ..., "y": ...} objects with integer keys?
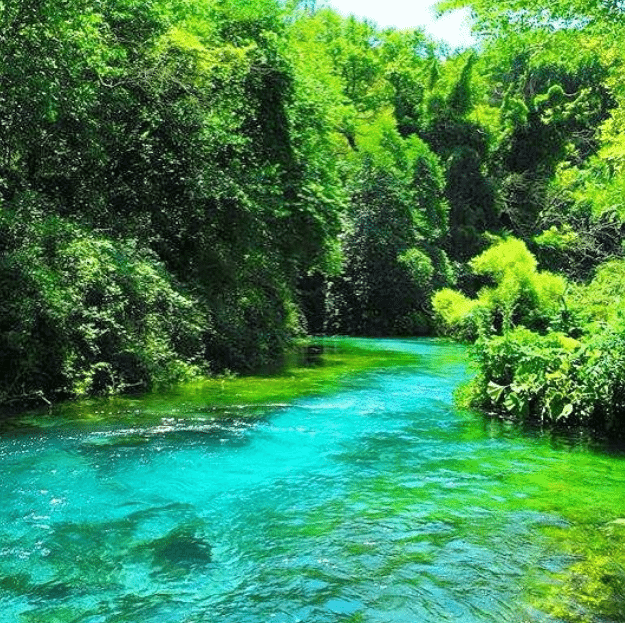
[{"x": 452, "y": 28}]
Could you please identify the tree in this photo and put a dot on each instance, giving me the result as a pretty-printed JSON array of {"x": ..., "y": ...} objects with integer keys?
[{"x": 397, "y": 214}]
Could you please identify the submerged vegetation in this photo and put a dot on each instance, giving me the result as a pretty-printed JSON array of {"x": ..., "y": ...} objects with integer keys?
[{"x": 187, "y": 187}]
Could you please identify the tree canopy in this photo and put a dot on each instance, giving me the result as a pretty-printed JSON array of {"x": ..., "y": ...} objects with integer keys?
[{"x": 188, "y": 185}]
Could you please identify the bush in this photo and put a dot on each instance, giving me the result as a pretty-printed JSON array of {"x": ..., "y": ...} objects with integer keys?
[
  {"x": 521, "y": 295},
  {"x": 527, "y": 375},
  {"x": 530, "y": 366},
  {"x": 83, "y": 315},
  {"x": 457, "y": 315},
  {"x": 599, "y": 302},
  {"x": 554, "y": 378}
]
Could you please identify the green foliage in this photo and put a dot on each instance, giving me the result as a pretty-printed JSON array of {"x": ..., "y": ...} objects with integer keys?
[
  {"x": 253, "y": 327},
  {"x": 503, "y": 258},
  {"x": 418, "y": 265},
  {"x": 513, "y": 113},
  {"x": 83, "y": 315},
  {"x": 457, "y": 315},
  {"x": 459, "y": 99},
  {"x": 496, "y": 18},
  {"x": 558, "y": 238},
  {"x": 553, "y": 71},
  {"x": 380, "y": 143},
  {"x": 526, "y": 373},
  {"x": 472, "y": 203},
  {"x": 550, "y": 89},
  {"x": 521, "y": 294},
  {"x": 554, "y": 378},
  {"x": 189, "y": 128},
  {"x": 427, "y": 182},
  {"x": 391, "y": 264},
  {"x": 273, "y": 157},
  {"x": 600, "y": 302},
  {"x": 453, "y": 129},
  {"x": 376, "y": 289}
]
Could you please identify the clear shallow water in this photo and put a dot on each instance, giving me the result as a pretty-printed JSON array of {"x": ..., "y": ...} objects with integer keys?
[{"x": 377, "y": 503}]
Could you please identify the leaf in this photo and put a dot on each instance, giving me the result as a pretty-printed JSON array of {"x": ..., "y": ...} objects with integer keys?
[
  {"x": 567, "y": 410},
  {"x": 495, "y": 391},
  {"x": 517, "y": 404}
]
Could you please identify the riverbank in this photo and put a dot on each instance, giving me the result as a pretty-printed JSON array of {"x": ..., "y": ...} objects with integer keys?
[{"x": 315, "y": 366}]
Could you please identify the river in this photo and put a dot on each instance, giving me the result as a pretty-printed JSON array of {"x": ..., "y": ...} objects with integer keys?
[{"x": 375, "y": 502}]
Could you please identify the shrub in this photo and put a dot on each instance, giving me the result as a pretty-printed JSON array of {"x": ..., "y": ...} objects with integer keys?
[
  {"x": 521, "y": 295},
  {"x": 456, "y": 314},
  {"x": 527, "y": 375},
  {"x": 528, "y": 369},
  {"x": 83, "y": 315},
  {"x": 554, "y": 378}
]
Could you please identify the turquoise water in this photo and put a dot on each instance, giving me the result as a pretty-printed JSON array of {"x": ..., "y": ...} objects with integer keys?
[{"x": 376, "y": 502}]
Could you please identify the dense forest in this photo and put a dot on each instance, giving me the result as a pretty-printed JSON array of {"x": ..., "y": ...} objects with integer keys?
[{"x": 186, "y": 186}]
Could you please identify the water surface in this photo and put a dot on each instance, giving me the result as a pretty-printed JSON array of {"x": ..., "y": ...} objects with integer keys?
[{"x": 375, "y": 502}]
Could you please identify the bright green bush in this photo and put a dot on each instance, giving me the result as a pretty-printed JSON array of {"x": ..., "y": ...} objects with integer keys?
[
  {"x": 527, "y": 375},
  {"x": 503, "y": 258},
  {"x": 554, "y": 378},
  {"x": 560, "y": 239},
  {"x": 457, "y": 314},
  {"x": 520, "y": 296},
  {"x": 599, "y": 302},
  {"x": 530, "y": 374}
]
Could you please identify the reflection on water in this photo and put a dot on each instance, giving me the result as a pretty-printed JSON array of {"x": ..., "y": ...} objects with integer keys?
[{"x": 375, "y": 503}]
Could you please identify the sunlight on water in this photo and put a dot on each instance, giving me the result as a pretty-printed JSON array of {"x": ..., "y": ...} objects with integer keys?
[{"x": 377, "y": 502}]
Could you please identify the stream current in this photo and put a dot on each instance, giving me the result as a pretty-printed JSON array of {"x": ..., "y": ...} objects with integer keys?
[{"x": 376, "y": 502}]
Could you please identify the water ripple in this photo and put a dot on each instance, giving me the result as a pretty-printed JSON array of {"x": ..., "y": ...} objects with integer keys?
[{"x": 378, "y": 503}]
